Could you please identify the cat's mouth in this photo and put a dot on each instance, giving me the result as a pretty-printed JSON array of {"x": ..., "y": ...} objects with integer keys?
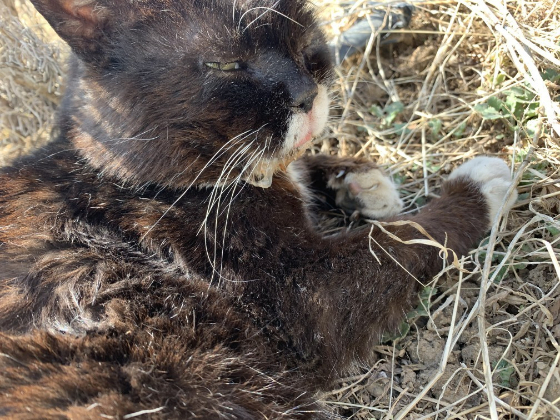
[
  {"x": 305, "y": 139},
  {"x": 261, "y": 174}
]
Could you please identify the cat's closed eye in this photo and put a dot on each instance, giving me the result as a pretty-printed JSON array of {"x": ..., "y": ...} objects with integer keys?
[{"x": 230, "y": 66}]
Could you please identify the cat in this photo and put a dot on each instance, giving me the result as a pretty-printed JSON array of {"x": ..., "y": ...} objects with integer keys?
[{"x": 161, "y": 257}]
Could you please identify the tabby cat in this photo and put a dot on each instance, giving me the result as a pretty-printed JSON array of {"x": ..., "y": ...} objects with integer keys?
[{"x": 158, "y": 259}]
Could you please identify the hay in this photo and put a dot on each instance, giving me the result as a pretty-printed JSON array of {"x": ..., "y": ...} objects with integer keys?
[
  {"x": 467, "y": 78},
  {"x": 30, "y": 79}
]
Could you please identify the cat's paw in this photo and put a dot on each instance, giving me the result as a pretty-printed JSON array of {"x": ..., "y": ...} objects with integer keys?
[
  {"x": 494, "y": 177},
  {"x": 366, "y": 191}
]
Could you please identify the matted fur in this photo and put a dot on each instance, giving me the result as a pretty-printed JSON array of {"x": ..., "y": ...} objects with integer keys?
[{"x": 141, "y": 273}]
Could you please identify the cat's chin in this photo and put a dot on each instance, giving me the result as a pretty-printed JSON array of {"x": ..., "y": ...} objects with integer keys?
[
  {"x": 302, "y": 129},
  {"x": 260, "y": 175},
  {"x": 306, "y": 139}
]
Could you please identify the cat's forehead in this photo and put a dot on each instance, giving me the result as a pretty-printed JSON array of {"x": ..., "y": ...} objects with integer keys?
[
  {"x": 247, "y": 12},
  {"x": 219, "y": 25}
]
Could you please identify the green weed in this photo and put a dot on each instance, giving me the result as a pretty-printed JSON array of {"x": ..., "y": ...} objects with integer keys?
[{"x": 517, "y": 106}]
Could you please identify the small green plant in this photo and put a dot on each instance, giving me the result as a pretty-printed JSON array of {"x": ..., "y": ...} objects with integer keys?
[
  {"x": 551, "y": 75},
  {"x": 537, "y": 170},
  {"x": 459, "y": 130},
  {"x": 435, "y": 127},
  {"x": 497, "y": 258},
  {"x": 387, "y": 114},
  {"x": 517, "y": 106},
  {"x": 553, "y": 231},
  {"x": 506, "y": 373},
  {"x": 387, "y": 117}
]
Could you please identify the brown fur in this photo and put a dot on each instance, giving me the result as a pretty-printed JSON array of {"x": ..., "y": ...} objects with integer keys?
[{"x": 119, "y": 294}]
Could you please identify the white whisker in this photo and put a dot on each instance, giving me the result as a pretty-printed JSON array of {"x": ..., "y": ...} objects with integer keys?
[
  {"x": 258, "y": 154},
  {"x": 267, "y": 9},
  {"x": 136, "y": 137},
  {"x": 216, "y": 155},
  {"x": 225, "y": 190}
]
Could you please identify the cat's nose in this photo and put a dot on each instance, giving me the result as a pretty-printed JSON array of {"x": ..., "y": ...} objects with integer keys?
[{"x": 303, "y": 102}]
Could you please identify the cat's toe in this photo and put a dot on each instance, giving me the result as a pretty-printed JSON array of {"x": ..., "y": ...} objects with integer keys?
[
  {"x": 370, "y": 193},
  {"x": 494, "y": 177}
]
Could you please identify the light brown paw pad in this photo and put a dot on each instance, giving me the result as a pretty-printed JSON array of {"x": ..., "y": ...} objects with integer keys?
[{"x": 370, "y": 193}]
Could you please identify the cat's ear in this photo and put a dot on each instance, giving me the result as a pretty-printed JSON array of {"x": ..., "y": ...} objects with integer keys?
[{"x": 83, "y": 24}]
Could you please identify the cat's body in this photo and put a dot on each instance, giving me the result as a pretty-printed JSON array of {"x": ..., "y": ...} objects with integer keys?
[{"x": 144, "y": 268}]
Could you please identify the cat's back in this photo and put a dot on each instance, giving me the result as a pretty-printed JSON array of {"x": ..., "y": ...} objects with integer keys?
[
  {"x": 63, "y": 266},
  {"x": 31, "y": 190},
  {"x": 54, "y": 233},
  {"x": 130, "y": 320}
]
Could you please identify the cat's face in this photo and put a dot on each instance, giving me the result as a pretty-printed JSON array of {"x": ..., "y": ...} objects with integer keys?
[{"x": 176, "y": 92}]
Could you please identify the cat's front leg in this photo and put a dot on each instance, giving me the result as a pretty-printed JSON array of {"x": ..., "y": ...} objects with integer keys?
[
  {"x": 493, "y": 177},
  {"x": 357, "y": 186},
  {"x": 352, "y": 287}
]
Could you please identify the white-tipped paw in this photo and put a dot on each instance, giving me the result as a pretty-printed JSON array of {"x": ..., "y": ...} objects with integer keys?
[
  {"x": 369, "y": 193},
  {"x": 493, "y": 176}
]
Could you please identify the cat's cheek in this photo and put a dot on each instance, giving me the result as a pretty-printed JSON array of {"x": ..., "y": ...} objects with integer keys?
[{"x": 320, "y": 111}]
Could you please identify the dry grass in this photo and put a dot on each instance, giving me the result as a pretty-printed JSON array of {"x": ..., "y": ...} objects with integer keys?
[
  {"x": 484, "y": 344},
  {"x": 30, "y": 79}
]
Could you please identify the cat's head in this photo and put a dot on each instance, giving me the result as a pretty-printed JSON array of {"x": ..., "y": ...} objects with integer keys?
[{"x": 188, "y": 91}]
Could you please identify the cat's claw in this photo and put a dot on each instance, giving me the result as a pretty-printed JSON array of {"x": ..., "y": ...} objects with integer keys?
[
  {"x": 368, "y": 193},
  {"x": 494, "y": 177}
]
